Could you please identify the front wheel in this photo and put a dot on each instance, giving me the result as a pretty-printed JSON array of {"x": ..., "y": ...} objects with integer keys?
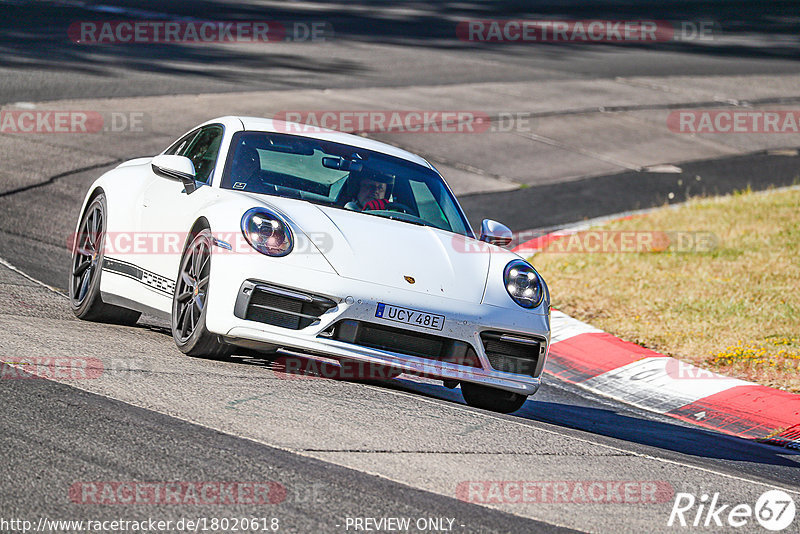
[
  {"x": 190, "y": 302},
  {"x": 488, "y": 398},
  {"x": 87, "y": 267}
]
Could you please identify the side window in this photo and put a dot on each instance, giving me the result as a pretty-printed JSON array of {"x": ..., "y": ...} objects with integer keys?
[
  {"x": 180, "y": 146},
  {"x": 203, "y": 151}
]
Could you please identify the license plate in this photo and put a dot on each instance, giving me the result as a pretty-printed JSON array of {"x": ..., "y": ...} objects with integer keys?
[{"x": 409, "y": 316}]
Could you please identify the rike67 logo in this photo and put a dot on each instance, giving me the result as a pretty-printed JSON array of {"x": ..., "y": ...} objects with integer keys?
[{"x": 774, "y": 510}]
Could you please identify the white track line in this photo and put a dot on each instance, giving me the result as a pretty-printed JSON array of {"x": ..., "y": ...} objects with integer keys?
[
  {"x": 32, "y": 279},
  {"x": 459, "y": 407}
]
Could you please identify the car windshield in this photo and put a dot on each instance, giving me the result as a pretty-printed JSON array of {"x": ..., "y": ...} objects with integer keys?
[{"x": 341, "y": 176}]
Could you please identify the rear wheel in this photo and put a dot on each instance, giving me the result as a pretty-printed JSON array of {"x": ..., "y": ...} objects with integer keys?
[
  {"x": 190, "y": 302},
  {"x": 488, "y": 398},
  {"x": 87, "y": 267}
]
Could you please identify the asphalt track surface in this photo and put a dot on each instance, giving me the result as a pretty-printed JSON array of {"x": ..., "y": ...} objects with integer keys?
[
  {"x": 553, "y": 205},
  {"x": 342, "y": 449},
  {"x": 150, "y": 446},
  {"x": 374, "y": 44}
]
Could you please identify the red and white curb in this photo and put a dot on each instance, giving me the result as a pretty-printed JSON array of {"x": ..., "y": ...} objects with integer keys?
[
  {"x": 544, "y": 238},
  {"x": 590, "y": 358}
]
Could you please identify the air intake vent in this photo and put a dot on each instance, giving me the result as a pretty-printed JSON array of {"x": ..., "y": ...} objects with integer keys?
[
  {"x": 511, "y": 353},
  {"x": 279, "y": 306},
  {"x": 402, "y": 341}
]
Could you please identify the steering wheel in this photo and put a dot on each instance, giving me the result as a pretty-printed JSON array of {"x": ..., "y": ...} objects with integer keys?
[{"x": 397, "y": 206}]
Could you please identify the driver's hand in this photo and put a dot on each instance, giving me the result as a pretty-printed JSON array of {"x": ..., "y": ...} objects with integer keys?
[{"x": 378, "y": 204}]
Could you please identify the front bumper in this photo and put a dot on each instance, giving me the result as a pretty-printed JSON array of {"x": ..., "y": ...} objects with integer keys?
[{"x": 357, "y": 300}]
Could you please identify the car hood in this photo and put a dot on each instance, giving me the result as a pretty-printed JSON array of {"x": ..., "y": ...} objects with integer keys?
[
  {"x": 386, "y": 252},
  {"x": 393, "y": 253}
]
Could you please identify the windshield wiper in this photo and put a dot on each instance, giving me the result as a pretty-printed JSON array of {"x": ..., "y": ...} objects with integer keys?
[{"x": 419, "y": 222}]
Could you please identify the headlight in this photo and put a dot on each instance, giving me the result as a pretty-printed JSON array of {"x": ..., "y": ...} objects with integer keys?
[
  {"x": 523, "y": 284},
  {"x": 266, "y": 232}
]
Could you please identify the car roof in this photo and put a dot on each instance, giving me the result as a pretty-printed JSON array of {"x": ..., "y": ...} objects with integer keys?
[{"x": 260, "y": 124}]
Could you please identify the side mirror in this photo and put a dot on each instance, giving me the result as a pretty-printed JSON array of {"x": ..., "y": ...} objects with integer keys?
[
  {"x": 178, "y": 168},
  {"x": 495, "y": 233}
]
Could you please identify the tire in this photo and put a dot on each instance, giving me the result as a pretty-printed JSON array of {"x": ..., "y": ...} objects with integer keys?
[
  {"x": 488, "y": 398},
  {"x": 190, "y": 304},
  {"x": 86, "y": 269}
]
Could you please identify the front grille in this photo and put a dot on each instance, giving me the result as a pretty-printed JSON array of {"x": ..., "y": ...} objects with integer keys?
[
  {"x": 512, "y": 353},
  {"x": 402, "y": 341},
  {"x": 279, "y": 306},
  {"x": 406, "y": 343}
]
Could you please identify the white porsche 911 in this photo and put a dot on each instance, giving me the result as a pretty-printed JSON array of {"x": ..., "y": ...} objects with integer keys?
[{"x": 261, "y": 234}]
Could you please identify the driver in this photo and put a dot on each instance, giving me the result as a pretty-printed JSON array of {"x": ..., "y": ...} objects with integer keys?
[{"x": 373, "y": 190}]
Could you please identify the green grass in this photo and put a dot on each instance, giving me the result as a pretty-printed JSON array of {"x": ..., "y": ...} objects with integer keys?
[{"x": 734, "y": 308}]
